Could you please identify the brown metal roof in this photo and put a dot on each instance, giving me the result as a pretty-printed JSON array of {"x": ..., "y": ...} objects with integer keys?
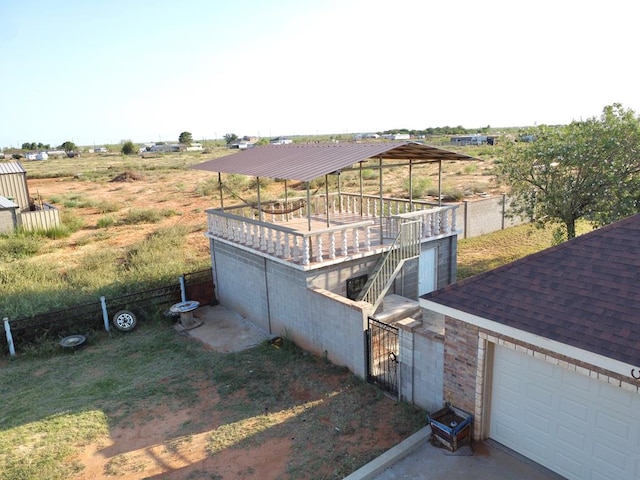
[
  {"x": 584, "y": 292},
  {"x": 305, "y": 162}
]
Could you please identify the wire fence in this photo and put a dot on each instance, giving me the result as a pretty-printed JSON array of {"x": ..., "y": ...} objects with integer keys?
[{"x": 96, "y": 315}]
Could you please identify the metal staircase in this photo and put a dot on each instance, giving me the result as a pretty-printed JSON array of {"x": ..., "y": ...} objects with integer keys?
[{"x": 405, "y": 246}]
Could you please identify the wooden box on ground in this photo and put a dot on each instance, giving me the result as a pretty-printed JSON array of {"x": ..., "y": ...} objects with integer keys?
[{"x": 451, "y": 426}]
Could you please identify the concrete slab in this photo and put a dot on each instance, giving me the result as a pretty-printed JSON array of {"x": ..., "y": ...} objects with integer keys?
[
  {"x": 224, "y": 330},
  {"x": 478, "y": 461}
]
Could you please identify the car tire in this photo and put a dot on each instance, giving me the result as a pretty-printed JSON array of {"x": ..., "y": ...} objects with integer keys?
[{"x": 125, "y": 320}]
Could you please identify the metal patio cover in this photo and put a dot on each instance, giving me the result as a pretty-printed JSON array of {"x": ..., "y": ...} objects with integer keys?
[{"x": 306, "y": 162}]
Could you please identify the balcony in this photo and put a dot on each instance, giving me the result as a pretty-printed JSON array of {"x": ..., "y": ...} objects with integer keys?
[{"x": 327, "y": 230}]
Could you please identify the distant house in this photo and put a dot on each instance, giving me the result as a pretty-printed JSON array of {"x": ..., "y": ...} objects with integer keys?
[
  {"x": 36, "y": 156},
  {"x": 164, "y": 148},
  {"x": 464, "y": 140},
  {"x": 242, "y": 145},
  {"x": 397, "y": 136},
  {"x": 280, "y": 141}
]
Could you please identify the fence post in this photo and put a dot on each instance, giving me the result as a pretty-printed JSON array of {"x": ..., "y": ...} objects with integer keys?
[
  {"x": 7, "y": 329},
  {"x": 183, "y": 290},
  {"x": 105, "y": 315}
]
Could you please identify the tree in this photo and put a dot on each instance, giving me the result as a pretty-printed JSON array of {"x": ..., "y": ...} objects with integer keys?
[
  {"x": 230, "y": 138},
  {"x": 128, "y": 148},
  {"x": 587, "y": 169},
  {"x": 68, "y": 146},
  {"x": 185, "y": 138}
]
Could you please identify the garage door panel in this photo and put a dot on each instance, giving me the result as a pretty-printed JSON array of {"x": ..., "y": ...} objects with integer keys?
[
  {"x": 567, "y": 465},
  {"x": 581, "y": 427},
  {"x": 543, "y": 397},
  {"x": 612, "y": 428},
  {"x": 572, "y": 439},
  {"x": 573, "y": 410}
]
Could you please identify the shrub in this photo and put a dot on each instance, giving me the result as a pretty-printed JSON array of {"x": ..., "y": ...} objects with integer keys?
[
  {"x": 128, "y": 148},
  {"x": 147, "y": 215},
  {"x": 420, "y": 186},
  {"x": 106, "y": 221}
]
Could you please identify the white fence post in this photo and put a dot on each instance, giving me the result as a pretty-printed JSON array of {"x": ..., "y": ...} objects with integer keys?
[
  {"x": 7, "y": 329},
  {"x": 105, "y": 314},
  {"x": 183, "y": 289}
]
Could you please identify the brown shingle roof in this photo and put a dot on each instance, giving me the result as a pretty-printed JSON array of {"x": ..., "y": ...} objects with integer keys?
[
  {"x": 584, "y": 293},
  {"x": 307, "y": 162}
]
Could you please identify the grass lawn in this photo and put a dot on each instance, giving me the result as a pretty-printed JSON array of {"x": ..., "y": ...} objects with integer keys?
[{"x": 168, "y": 394}]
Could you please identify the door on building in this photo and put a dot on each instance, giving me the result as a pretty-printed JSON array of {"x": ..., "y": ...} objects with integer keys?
[{"x": 427, "y": 271}]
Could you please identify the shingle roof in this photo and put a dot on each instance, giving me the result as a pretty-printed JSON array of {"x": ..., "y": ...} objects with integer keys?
[
  {"x": 307, "y": 162},
  {"x": 584, "y": 292}
]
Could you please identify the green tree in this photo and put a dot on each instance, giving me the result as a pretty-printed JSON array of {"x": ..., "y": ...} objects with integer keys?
[
  {"x": 128, "y": 148},
  {"x": 68, "y": 146},
  {"x": 585, "y": 170},
  {"x": 185, "y": 138},
  {"x": 230, "y": 138}
]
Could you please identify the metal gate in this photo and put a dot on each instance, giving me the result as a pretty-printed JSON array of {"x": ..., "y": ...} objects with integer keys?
[{"x": 383, "y": 361}]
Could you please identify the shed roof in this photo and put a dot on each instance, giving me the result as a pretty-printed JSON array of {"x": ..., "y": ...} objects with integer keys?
[
  {"x": 584, "y": 292},
  {"x": 11, "y": 167},
  {"x": 306, "y": 162},
  {"x": 5, "y": 203}
]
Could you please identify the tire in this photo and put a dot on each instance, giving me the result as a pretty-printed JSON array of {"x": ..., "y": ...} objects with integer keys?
[
  {"x": 73, "y": 342},
  {"x": 125, "y": 320}
]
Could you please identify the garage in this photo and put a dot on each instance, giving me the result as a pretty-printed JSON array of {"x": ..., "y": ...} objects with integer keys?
[{"x": 577, "y": 426}]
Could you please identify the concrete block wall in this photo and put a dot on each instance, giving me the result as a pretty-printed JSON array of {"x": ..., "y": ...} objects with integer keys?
[
  {"x": 8, "y": 220},
  {"x": 421, "y": 365},
  {"x": 276, "y": 297},
  {"x": 478, "y": 217},
  {"x": 239, "y": 278}
]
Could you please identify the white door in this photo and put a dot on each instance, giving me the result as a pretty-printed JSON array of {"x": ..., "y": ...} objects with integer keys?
[
  {"x": 427, "y": 271},
  {"x": 579, "y": 427}
]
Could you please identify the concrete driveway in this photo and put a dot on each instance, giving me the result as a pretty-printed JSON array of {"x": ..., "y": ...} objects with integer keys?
[{"x": 417, "y": 459}]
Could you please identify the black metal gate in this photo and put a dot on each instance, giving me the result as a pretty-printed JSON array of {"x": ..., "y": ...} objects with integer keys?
[{"x": 383, "y": 350}]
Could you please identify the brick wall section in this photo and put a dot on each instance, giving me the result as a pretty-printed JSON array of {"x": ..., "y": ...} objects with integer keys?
[{"x": 460, "y": 364}]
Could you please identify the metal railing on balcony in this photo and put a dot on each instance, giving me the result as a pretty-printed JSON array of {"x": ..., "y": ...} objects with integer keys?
[
  {"x": 405, "y": 246},
  {"x": 283, "y": 232}
]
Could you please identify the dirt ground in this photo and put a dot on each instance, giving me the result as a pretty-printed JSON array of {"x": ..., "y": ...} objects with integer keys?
[{"x": 164, "y": 443}]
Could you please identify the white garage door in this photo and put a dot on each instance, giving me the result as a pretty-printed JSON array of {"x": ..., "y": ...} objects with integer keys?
[{"x": 579, "y": 427}]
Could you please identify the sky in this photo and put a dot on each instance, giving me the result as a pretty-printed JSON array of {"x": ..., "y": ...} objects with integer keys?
[{"x": 99, "y": 72}]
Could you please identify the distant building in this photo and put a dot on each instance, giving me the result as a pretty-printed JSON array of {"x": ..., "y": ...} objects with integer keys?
[
  {"x": 280, "y": 141},
  {"x": 396, "y": 136},
  {"x": 194, "y": 147},
  {"x": 164, "y": 148},
  {"x": 469, "y": 140}
]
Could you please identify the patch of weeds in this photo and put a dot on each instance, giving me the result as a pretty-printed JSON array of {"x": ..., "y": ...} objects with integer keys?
[
  {"x": 175, "y": 444},
  {"x": 146, "y": 215},
  {"x": 19, "y": 245},
  {"x": 207, "y": 188},
  {"x": 121, "y": 465},
  {"x": 106, "y": 221},
  {"x": 106, "y": 206},
  {"x": 419, "y": 186}
]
